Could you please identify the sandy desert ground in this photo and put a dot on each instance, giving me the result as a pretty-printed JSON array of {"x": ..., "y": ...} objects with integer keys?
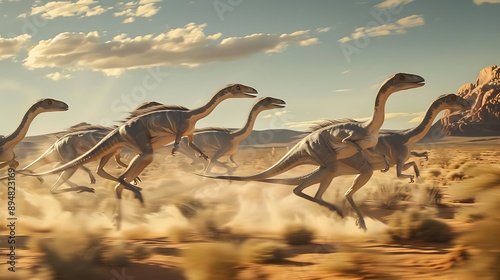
[{"x": 199, "y": 228}]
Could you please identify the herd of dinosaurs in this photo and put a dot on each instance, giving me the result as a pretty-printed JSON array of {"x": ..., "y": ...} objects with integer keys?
[{"x": 336, "y": 147}]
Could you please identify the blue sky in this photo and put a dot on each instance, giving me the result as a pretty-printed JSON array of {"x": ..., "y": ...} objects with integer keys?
[{"x": 325, "y": 58}]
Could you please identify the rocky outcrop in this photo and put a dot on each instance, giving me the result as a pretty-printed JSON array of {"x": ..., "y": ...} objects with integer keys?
[{"x": 484, "y": 117}]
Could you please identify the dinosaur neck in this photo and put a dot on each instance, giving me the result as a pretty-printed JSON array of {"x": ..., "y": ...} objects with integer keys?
[
  {"x": 377, "y": 119},
  {"x": 22, "y": 129},
  {"x": 417, "y": 133},
  {"x": 245, "y": 131},
  {"x": 205, "y": 110}
]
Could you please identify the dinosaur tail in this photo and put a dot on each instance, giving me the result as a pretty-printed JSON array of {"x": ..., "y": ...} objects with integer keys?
[
  {"x": 293, "y": 181},
  {"x": 107, "y": 145},
  {"x": 290, "y": 160},
  {"x": 35, "y": 162}
]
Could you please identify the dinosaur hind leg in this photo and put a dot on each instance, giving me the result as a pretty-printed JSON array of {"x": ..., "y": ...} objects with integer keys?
[
  {"x": 135, "y": 168},
  {"x": 63, "y": 178},
  {"x": 91, "y": 176},
  {"x": 323, "y": 177},
  {"x": 366, "y": 173}
]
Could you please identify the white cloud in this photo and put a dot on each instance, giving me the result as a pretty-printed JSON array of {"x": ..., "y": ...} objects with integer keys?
[
  {"x": 392, "y": 3},
  {"x": 56, "y": 76},
  {"x": 54, "y": 9},
  {"x": 132, "y": 10},
  {"x": 416, "y": 119},
  {"x": 397, "y": 28},
  {"x": 343, "y": 90},
  {"x": 480, "y": 2},
  {"x": 187, "y": 46},
  {"x": 9, "y": 47},
  {"x": 275, "y": 114},
  {"x": 323, "y": 30},
  {"x": 345, "y": 72}
]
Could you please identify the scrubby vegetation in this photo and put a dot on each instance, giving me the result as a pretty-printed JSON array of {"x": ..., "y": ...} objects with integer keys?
[
  {"x": 297, "y": 234},
  {"x": 484, "y": 188},
  {"x": 417, "y": 224},
  {"x": 262, "y": 251}
]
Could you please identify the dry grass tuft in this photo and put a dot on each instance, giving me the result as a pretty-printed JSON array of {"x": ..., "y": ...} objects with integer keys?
[
  {"x": 416, "y": 224},
  {"x": 355, "y": 262},
  {"x": 262, "y": 251},
  {"x": 75, "y": 255},
  {"x": 297, "y": 234},
  {"x": 387, "y": 194},
  {"x": 210, "y": 261},
  {"x": 434, "y": 172}
]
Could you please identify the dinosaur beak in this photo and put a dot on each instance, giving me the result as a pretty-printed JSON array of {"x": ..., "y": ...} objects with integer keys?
[
  {"x": 64, "y": 106},
  {"x": 250, "y": 92},
  {"x": 416, "y": 81},
  {"x": 278, "y": 103}
]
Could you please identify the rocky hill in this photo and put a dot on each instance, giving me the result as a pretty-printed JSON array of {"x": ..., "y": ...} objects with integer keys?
[{"x": 484, "y": 117}]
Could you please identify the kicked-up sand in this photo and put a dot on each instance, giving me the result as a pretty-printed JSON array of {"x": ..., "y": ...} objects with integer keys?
[{"x": 199, "y": 228}]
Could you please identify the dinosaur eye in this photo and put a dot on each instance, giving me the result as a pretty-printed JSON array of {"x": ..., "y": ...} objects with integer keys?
[
  {"x": 238, "y": 87},
  {"x": 401, "y": 77},
  {"x": 49, "y": 102},
  {"x": 453, "y": 98}
]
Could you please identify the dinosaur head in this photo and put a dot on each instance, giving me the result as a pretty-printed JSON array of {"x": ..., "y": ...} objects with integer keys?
[
  {"x": 402, "y": 81},
  {"x": 52, "y": 105},
  {"x": 454, "y": 102},
  {"x": 240, "y": 91},
  {"x": 269, "y": 103}
]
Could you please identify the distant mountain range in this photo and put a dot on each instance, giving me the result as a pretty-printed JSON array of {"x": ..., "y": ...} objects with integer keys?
[{"x": 484, "y": 117}]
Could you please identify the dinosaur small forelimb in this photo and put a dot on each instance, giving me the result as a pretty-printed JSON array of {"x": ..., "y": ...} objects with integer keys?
[
  {"x": 352, "y": 143},
  {"x": 387, "y": 166},
  {"x": 423, "y": 154},
  {"x": 195, "y": 148}
]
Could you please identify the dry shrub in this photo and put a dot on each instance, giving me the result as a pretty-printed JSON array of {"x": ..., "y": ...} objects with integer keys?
[
  {"x": 456, "y": 175},
  {"x": 482, "y": 178},
  {"x": 70, "y": 256},
  {"x": 354, "y": 262},
  {"x": 74, "y": 255},
  {"x": 210, "y": 261},
  {"x": 387, "y": 194},
  {"x": 262, "y": 251},
  {"x": 443, "y": 158},
  {"x": 417, "y": 224},
  {"x": 434, "y": 172},
  {"x": 426, "y": 194},
  {"x": 297, "y": 234},
  {"x": 484, "y": 188}
]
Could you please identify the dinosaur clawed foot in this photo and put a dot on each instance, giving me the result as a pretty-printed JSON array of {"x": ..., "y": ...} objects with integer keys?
[
  {"x": 137, "y": 181},
  {"x": 92, "y": 180},
  {"x": 412, "y": 179},
  {"x": 85, "y": 189},
  {"x": 360, "y": 223}
]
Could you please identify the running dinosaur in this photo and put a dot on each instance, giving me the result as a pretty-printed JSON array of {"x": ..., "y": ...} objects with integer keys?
[
  {"x": 145, "y": 132},
  {"x": 219, "y": 142},
  {"x": 395, "y": 145},
  {"x": 343, "y": 139},
  {"x": 77, "y": 140},
  {"x": 8, "y": 143}
]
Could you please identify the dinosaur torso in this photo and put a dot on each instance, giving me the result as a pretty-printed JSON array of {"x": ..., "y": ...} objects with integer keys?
[{"x": 160, "y": 127}]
